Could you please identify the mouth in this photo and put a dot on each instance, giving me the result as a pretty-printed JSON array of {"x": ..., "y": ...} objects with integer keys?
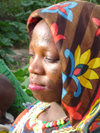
[{"x": 36, "y": 87}]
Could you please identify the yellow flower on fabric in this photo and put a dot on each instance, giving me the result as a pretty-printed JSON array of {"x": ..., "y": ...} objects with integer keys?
[{"x": 84, "y": 67}]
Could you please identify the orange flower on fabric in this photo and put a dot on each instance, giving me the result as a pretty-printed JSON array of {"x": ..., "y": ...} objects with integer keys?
[
  {"x": 54, "y": 30},
  {"x": 97, "y": 22}
]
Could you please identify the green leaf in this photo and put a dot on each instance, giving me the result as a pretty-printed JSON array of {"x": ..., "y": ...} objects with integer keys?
[
  {"x": 26, "y": 82},
  {"x": 12, "y": 35},
  {"x": 23, "y": 87},
  {"x": 2, "y": 53},
  {"x": 9, "y": 59},
  {"x": 5, "y": 42},
  {"x": 4, "y": 23},
  {"x": 29, "y": 92},
  {"x": 18, "y": 25},
  {"x": 27, "y": 3},
  {"x": 25, "y": 68},
  {"x": 9, "y": 51},
  {"x": 19, "y": 72},
  {"x": 1, "y": 43},
  {"x": 21, "y": 79}
]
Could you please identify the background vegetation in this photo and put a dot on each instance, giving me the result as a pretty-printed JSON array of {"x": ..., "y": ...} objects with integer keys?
[{"x": 13, "y": 34}]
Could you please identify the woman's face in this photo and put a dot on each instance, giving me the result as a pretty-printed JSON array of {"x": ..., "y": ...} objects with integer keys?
[{"x": 44, "y": 67}]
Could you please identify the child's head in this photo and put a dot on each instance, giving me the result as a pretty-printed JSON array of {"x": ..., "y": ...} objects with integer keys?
[{"x": 7, "y": 94}]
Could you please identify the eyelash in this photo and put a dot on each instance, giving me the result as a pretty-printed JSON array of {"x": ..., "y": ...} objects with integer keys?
[
  {"x": 50, "y": 60},
  {"x": 31, "y": 55},
  {"x": 47, "y": 59}
]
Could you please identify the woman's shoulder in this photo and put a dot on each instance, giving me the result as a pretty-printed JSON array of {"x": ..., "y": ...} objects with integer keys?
[
  {"x": 25, "y": 111},
  {"x": 28, "y": 119}
]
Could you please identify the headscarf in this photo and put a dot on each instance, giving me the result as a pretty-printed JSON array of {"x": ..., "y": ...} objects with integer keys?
[{"x": 75, "y": 27}]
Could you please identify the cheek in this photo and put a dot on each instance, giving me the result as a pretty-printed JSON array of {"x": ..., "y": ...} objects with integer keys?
[
  {"x": 54, "y": 72},
  {"x": 56, "y": 75},
  {"x": 30, "y": 60}
]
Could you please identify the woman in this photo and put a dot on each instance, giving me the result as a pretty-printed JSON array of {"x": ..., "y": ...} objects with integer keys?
[
  {"x": 65, "y": 38},
  {"x": 45, "y": 83}
]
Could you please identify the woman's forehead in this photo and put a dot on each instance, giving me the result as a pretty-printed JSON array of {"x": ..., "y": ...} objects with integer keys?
[
  {"x": 41, "y": 27},
  {"x": 41, "y": 35},
  {"x": 40, "y": 40}
]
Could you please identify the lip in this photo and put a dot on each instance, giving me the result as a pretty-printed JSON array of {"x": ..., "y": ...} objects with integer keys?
[{"x": 36, "y": 87}]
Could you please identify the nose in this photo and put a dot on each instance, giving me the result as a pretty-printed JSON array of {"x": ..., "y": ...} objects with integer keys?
[{"x": 36, "y": 66}]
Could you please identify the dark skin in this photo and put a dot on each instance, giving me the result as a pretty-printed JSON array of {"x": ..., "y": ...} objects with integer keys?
[
  {"x": 44, "y": 66},
  {"x": 7, "y": 96},
  {"x": 45, "y": 70}
]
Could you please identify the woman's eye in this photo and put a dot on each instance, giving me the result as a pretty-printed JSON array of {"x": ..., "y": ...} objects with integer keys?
[
  {"x": 51, "y": 60},
  {"x": 31, "y": 55}
]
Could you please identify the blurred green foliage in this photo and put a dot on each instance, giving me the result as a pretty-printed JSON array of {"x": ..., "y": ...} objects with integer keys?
[
  {"x": 14, "y": 14},
  {"x": 23, "y": 77},
  {"x": 11, "y": 34},
  {"x": 21, "y": 9}
]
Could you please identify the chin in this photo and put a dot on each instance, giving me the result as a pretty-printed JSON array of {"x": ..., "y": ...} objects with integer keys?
[
  {"x": 42, "y": 99},
  {"x": 47, "y": 98}
]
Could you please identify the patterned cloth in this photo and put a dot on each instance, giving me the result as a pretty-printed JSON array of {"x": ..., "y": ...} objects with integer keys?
[
  {"x": 75, "y": 27},
  {"x": 26, "y": 122}
]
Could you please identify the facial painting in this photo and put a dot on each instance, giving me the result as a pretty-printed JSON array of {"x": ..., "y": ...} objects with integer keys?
[{"x": 44, "y": 67}]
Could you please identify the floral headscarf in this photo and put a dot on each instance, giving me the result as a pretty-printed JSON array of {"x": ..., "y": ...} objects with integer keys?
[{"x": 75, "y": 27}]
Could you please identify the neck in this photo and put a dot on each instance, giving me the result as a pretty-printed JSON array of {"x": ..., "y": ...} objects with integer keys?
[{"x": 55, "y": 112}]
